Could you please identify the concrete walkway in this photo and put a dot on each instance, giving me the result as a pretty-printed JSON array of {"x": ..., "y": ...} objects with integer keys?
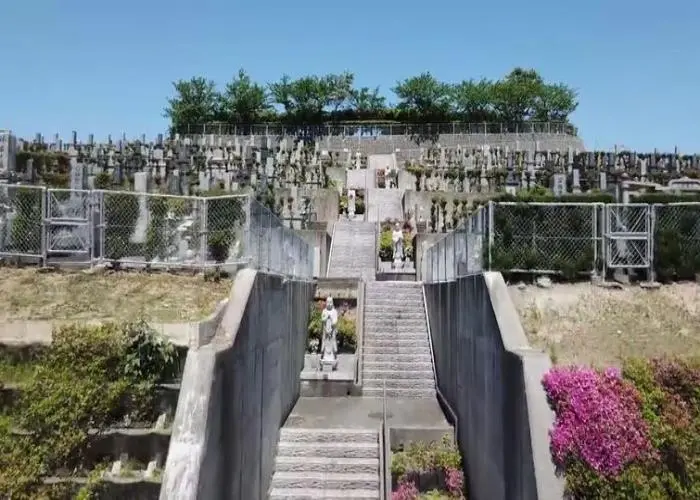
[{"x": 365, "y": 412}]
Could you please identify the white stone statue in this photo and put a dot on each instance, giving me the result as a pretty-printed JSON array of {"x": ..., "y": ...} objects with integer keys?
[
  {"x": 329, "y": 343},
  {"x": 351, "y": 204},
  {"x": 397, "y": 245}
]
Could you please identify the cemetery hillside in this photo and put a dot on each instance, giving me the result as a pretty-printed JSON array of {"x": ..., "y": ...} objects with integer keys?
[{"x": 311, "y": 289}]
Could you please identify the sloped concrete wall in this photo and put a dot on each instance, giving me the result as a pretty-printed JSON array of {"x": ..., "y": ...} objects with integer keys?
[
  {"x": 491, "y": 379},
  {"x": 237, "y": 391}
]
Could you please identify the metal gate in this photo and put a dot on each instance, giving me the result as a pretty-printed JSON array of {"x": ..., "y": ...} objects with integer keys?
[
  {"x": 628, "y": 236},
  {"x": 68, "y": 223}
]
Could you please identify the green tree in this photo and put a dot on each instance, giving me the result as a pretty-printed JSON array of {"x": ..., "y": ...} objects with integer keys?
[
  {"x": 423, "y": 98},
  {"x": 473, "y": 100},
  {"x": 244, "y": 101},
  {"x": 516, "y": 96},
  {"x": 555, "y": 102},
  {"x": 339, "y": 90},
  {"x": 367, "y": 103},
  {"x": 196, "y": 102}
]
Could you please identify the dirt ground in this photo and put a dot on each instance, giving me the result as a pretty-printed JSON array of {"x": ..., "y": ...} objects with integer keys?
[
  {"x": 586, "y": 324},
  {"x": 27, "y": 294}
]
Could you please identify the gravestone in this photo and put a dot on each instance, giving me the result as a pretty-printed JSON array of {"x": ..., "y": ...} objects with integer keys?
[
  {"x": 559, "y": 185},
  {"x": 576, "y": 183}
]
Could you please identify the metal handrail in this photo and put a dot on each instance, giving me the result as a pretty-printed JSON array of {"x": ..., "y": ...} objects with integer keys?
[
  {"x": 330, "y": 250},
  {"x": 385, "y": 461}
]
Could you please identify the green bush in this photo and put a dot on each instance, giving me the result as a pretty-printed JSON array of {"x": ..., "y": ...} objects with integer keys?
[
  {"x": 89, "y": 379},
  {"x": 346, "y": 337}
]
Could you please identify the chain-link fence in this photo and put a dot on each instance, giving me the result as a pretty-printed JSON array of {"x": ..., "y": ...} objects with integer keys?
[
  {"x": 132, "y": 229},
  {"x": 374, "y": 129},
  {"x": 571, "y": 239}
]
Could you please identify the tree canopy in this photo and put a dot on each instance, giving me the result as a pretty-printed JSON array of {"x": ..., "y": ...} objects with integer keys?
[{"x": 519, "y": 96}]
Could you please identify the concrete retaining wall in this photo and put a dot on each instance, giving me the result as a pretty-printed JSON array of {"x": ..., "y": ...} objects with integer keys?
[
  {"x": 237, "y": 391},
  {"x": 491, "y": 379}
]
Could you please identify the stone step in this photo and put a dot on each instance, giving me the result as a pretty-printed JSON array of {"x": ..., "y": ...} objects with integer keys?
[
  {"x": 399, "y": 393},
  {"x": 404, "y": 312},
  {"x": 371, "y": 374},
  {"x": 387, "y": 364},
  {"x": 391, "y": 350},
  {"x": 324, "y": 494},
  {"x": 395, "y": 285},
  {"x": 329, "y": 465},
  {"x": 417, "y": 333},
  {"x": 421, "y": 383},
  {"x": 383, "y": 324},
  {"x": 328, "y": 450},
  {"x": 382, "y": 342},
  {"x": 338, "y": 435},
  {"x": 387, "y": 359},
  {"x": 390, "y": 299},
  {"x": 339, "y": 481},
  {"x": 414, "y": 334}
]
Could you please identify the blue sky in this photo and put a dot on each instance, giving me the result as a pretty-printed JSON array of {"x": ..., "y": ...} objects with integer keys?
[{"x": 106, "y": 67}]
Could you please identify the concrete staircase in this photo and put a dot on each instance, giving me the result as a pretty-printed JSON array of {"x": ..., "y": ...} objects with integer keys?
[
  {"x": 332, "y": 464},
  {"x": 396, "y": 344},
  {"x": 383, "y": 204},
  {"x": 354, "y": 250}
]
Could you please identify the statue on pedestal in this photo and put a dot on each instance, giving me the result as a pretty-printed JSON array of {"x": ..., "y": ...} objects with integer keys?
[
  {"x": 329, "y": 343},
  {"x": 351, "y": 204},
  {"x": 397, "y": 246}
]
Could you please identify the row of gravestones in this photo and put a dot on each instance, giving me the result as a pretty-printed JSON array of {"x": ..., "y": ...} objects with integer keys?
[{"x": 209, "y": 151}]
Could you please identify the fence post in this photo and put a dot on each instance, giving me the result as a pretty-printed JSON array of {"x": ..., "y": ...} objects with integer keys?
[
  {"x": 101, "y": 232},
  {"x": 491, "y": 230},
  {"x": 45, "y": 208},
  {"x": 204, "y": 231},
  {"x": 651, "y": 275},
  {"x": 594, "y": 235}
]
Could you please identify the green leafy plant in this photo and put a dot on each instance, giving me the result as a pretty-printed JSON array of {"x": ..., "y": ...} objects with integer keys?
[{"x": 89, "y": 379}]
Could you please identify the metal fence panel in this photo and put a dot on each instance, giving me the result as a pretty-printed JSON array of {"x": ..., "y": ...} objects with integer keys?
[
  {"x": 22, "y": 210},
  {"x": 628, "y": 235},
  {"x": 546, "y": 237}
]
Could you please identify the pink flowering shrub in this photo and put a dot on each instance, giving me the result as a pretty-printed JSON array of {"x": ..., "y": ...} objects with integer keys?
[
  {"x": 598, "y": 419},
  {"x": 454, "y": 480},
  {"x": 407, "y": 490}
]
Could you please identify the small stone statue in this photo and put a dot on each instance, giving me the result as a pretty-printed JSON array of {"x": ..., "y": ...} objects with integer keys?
[
  {"x": 351, "y": 204},
  {"x": 397, "y": 241},
  {"x": 329, "y": 344}
]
